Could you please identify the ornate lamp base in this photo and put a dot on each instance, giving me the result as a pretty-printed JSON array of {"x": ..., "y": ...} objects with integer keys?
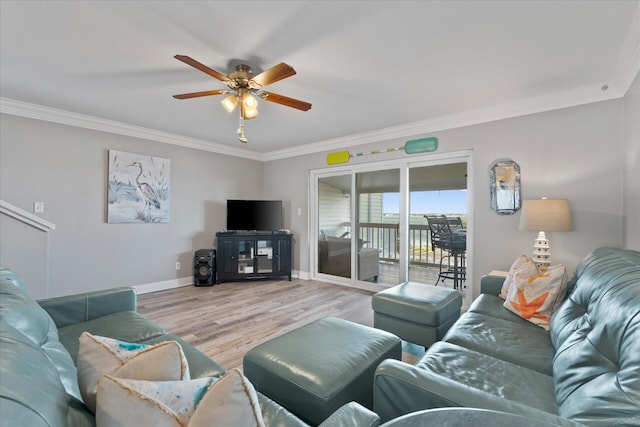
[{"x": 541, "y": 254}]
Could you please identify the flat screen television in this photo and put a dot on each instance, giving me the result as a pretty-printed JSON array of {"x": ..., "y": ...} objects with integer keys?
[{"x": 254, "y": 215}]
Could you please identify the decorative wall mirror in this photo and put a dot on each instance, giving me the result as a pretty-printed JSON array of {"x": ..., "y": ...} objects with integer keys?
[{"x": 504, "y": 183}]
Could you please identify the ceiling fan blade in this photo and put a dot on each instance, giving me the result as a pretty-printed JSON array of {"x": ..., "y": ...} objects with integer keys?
[
  {"x": 195, "y": 64},
  {"x": 286, "y": 101},
  {"x": 274, "y": 74},
  {"x": 197, "y": 94}
]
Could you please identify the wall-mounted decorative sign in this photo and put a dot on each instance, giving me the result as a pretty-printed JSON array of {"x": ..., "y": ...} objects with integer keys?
[
  {"x": 504, "y": 184},
  {"x": 423, "y": 145},
  {"x": 138, "y": 188}
]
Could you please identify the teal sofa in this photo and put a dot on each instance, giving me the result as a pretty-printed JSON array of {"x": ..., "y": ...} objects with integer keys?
[
  {"x": 586, "y": 369},
  {"x": 39, "y": 347}
]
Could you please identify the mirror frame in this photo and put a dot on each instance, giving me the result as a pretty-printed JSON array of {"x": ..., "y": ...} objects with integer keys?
[{"x": 504, "y": 185}]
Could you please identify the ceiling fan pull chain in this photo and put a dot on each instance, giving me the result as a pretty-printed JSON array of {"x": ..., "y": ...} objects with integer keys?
[{"x": 240, "y": 132}]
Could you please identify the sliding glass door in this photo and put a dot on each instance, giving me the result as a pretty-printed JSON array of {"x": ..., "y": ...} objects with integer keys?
[
  {"x": 370, "y": 220},
  {"x": 378, "y": 226},
  {"x": 437, "y": 191},
  {"x": 334, "y": 225}
]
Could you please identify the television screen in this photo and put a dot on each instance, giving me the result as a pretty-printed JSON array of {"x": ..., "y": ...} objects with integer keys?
[{"x": 254, "y": 215}]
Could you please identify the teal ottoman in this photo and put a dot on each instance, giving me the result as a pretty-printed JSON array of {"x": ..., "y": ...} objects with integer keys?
[
  {"x": 317, "y": 368},
  {"x": 416, "y": 312}
]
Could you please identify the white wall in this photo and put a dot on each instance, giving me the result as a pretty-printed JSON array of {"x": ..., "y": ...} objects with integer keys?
[
  {"x": 632, "y": 166},
  {"x": 66, "y": 168},
  {"x": 575, "y": 153},
  {"x": 30, "y": 256}
]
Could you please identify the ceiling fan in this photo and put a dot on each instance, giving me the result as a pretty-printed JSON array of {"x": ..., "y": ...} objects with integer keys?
[{"x": 243, "y": 87}]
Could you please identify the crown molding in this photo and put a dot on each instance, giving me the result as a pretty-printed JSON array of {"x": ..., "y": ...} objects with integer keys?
[{"x": 40, "y": 112}]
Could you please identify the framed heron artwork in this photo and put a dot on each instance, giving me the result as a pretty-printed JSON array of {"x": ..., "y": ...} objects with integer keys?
[{"x": 138, "y": 188}]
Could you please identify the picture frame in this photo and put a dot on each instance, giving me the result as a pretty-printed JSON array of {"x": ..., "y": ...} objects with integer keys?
[{"x": 138, "y": 189}]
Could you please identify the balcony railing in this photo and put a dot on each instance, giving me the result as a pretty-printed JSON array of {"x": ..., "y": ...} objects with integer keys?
[{"x": 386, "y": 238}]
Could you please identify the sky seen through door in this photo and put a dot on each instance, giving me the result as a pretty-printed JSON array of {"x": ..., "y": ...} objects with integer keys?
[{"x": 428, "y": 202}]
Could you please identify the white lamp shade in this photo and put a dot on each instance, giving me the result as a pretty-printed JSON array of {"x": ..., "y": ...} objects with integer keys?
[
  {"x": 229, "y": 103},
  {"x": 546, "y": 215},
  {"x": 248, "y": 113},
  {"x": 249, "y": 101}
]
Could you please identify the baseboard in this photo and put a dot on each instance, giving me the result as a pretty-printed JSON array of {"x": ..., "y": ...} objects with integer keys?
[
  {"x": 188, "y": 281},
  {"x": 348, "y": 283},
  {"x": 164, "y": 285},
  {"x": 302, "y": 275}
]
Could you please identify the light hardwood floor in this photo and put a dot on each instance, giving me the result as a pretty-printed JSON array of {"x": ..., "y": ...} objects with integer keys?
[{"x": 227, "y": 320}]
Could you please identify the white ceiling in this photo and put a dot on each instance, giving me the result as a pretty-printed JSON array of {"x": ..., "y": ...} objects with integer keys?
[{"x": 371, "y": 69}]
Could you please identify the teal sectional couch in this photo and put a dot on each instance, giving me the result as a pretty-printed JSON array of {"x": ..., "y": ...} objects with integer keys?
[
  {"x": 586, "y": 369},
  {"x": 39, "y": 348}
]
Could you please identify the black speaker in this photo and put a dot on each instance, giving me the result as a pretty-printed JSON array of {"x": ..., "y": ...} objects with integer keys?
[{"x": 204, "y": 267}]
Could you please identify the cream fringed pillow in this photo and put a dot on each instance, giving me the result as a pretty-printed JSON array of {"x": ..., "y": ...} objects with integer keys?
[
  {"x": 100, "y": 355},
  {"x": 225, "y": 402},
  {"x": 535, "y": 297},
  {"x": 522, "y": 264}
]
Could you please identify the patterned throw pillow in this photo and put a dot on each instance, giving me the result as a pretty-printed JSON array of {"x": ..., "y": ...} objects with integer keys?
[
  {"x": 100, "y": 355},
  {"x": 523, "y": 264},
  {"x": 228, "y": 401},
  {"x": 535, "y": 297}
]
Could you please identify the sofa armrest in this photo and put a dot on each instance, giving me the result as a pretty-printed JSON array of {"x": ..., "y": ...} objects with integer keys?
[
  {"x": 352, "y": 414},
  {"x": 491, "y": 284},
  {"x": 72, "y": 309}
]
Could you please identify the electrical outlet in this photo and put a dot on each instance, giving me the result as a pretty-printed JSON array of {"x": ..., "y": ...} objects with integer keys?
[
  {"x": 38, "y": 207},
  {"x": 178, "y": 266}
]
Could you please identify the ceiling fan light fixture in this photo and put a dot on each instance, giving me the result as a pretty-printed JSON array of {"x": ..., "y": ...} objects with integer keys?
[
  {"x": 244, "y": 88},
  {"x": 229, "y": 103},
  {"x": 248, "y": 113},
  {"x": 249, "y": 101}
]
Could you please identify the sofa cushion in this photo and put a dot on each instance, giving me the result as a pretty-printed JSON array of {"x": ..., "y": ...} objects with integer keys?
[
  {"x": 128, "y": 326},
  {"x": 20, "y": 311},
  {"x": 521, "y": 344},
  {"x": 597, "y": 334},
  {"x": 450, "y": 375},
  {"x": 500, "y": 378},
  {"x": 228, "y": 401},
  {"x": 31, "y": 391},
  {"x": 273, "y": 414},
  {"x": 101, "y": 355},
  {"x": 11, "y": 277},
  {"x": 70, "y": 309},
  {"x": 493, "y": 306}
]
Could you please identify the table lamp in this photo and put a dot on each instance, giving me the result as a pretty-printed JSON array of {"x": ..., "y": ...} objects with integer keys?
[{"x": 544, "y": 215}]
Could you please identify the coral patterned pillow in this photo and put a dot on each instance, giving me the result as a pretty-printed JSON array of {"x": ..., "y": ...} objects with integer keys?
[
  {"x": 101, "y": 355},
  {"x": 524, "y": 265},
  {"x": 203, "y": 402},
  {"x": 535, "y": 297}
]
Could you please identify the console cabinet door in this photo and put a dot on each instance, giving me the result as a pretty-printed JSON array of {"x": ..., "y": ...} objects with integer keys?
[
  {"x": 282, "y": 256},
  {"x": 229, "y": 256},
  {"x": 264, "y": 255},
  {"x": 246, "y": 252}
]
